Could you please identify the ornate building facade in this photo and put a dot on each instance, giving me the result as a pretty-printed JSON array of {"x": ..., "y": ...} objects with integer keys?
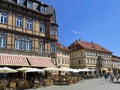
[
  {"x": 116, "y": 64},
  {"x": 27, "y": 28},
  {"x": 62, "y": 58},
  {"x": 91, "y": 56}
]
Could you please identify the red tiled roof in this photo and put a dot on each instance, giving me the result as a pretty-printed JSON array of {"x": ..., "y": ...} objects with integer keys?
[
  {"x": 88, "y": 45},
  {"x": 62, "y": 47}
]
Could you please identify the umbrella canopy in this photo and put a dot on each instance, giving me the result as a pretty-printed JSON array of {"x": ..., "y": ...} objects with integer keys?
[
  {"x": 69, "y": 69},
  {"x": 51, "y": 69},
  {"x": 7, "y": 70},
  {"x": 86, "y": 69},
  {"x": 34, "y": 70},
  {"x": 23, "y": 69}
]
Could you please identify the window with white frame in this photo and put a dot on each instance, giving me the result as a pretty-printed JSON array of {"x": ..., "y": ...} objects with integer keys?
[
  {"x": 19, "y": 22},
  {"x": 42, "y": 27},
  {"x": 28, "y": 45},
  {"x": 41, "y": 46},
  {"x": 42, "y": 9},
  {"x": 18, "y": 43},
  {"x": 20, "y": 2},
  {"x": 29, "y": 4},
  {"x": 2, "y": 40},
  {"x": 29, "y": 24},
  {"x": 3, "y": 18},
  {"x": 23, "y": 43},
  {"x": 53, "y": 47}
]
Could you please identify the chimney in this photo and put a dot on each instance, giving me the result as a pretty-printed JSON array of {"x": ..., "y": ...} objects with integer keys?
[
  {"x": 92, "y": 42},
  {"x": 79, "y": 39}
]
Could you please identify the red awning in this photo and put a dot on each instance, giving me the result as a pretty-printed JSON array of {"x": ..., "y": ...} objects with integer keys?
[
  {"x": 40, "y": 62},
  {"x": 11, "y": 60}
]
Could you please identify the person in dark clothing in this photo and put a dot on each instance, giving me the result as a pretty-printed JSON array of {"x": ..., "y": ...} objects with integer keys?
[{"x": 106, "y": 76}]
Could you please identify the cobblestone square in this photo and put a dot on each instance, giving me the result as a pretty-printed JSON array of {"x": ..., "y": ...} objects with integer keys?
[{"x": 91, "y": 84}]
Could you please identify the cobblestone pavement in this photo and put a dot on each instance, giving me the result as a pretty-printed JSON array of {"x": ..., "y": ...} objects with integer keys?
[{"x": 91, "y": 84}]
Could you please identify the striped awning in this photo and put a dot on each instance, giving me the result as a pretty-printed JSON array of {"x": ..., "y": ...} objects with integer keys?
[
  {"x": 12, "y": 60},
  {"x": 40, "y": 62}
]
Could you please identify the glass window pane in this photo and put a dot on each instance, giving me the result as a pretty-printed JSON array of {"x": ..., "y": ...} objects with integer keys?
[
  {"x": 20, "y": 2},
  {"x": 29, "y": 4},
  {"x": 42, "y": 47},
  {"x": 42, "y": 9},
  {"x": 42, "y": 28},
  {"x": 19, "y": 22},
  {"x": 2, "y": 41},
  {"x": 3, "y": 18},
  {"x": 29, "y": 24}
]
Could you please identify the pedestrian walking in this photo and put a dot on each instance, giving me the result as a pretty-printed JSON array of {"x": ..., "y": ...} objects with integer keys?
[
  {"x": 105, "y": 76},
  {"x": 117, "y": 77},
  {"x": 112, "y": 77}
]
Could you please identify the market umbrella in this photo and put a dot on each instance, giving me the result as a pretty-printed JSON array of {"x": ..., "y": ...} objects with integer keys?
[
  {"x": 65, "y": 69},
  {"x": 86, "y": 69},
  {"x": 24, "y": 69},
  {"x": 34, "y": 70},
  {"x": 6, "y": 70},
  {"x": 51, "y": 69}
]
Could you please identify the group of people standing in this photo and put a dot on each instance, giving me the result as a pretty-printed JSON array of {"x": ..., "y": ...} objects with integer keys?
[{"x": 112, "y": 77}]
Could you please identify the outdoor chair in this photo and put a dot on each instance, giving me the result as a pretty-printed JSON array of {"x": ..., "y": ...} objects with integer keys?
[{"x": 13, "y": 85}]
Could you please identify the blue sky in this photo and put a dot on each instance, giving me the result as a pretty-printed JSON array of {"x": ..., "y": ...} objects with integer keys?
[{"x": 89, "y": 20}]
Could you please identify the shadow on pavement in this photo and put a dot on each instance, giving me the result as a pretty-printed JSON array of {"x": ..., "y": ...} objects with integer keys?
[{"x": 116, "y": 82}]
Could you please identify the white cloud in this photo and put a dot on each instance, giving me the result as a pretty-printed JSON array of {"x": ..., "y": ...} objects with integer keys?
[
  {"x": 79, "y": 33},
  {"x": 75, "y": 32}
]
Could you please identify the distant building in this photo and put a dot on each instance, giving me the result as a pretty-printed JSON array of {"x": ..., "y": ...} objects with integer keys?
[
  {"x": 116, "y": 64},
  {"x": 90, "y": 55},
  {"x": 62, "y": 58},
  {"x": 28, "y": 33}
]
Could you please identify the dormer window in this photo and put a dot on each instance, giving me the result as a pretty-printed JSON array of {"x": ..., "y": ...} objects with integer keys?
[
  {"x": 42, "y": 9},
  {"x": 20, "y": 2},
  {"x": 29, "y": 4}
]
